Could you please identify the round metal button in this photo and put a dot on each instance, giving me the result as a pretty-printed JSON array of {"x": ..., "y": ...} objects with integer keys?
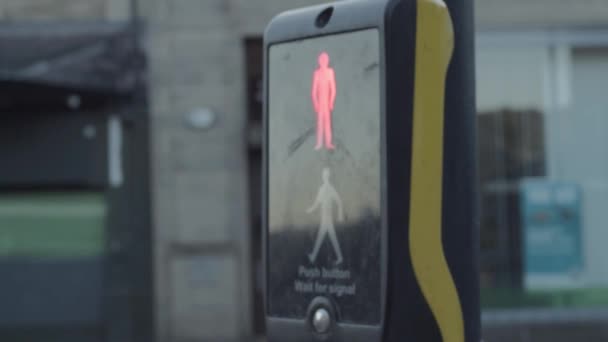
[{"x": 321, "y": 320}]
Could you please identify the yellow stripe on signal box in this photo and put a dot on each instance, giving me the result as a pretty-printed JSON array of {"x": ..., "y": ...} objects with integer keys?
[{"x": 434, "y": 48}]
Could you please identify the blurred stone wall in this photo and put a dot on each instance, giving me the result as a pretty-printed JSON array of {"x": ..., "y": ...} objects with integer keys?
[
  {"x": 52, "y": 10},
  {"x": 490, "y": 13},
  {"x": 524, "y": 14}
]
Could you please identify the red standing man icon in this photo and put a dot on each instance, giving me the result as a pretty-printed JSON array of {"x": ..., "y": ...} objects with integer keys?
[{"x": 323, "y": 98}]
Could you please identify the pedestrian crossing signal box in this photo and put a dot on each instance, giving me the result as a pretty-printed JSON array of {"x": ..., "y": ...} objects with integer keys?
[{"x": 369, "y": 229}]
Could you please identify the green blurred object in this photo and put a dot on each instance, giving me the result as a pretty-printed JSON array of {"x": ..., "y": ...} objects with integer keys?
[
  {"x": 52, "y": 225},
  {"x": 503, "y": 298}
]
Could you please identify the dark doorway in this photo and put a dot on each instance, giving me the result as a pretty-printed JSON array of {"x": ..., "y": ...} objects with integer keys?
[{"x": 254, "y": 73}]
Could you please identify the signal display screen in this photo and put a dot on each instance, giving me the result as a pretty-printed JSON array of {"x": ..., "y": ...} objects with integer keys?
[{"x": 324, "y": 176}]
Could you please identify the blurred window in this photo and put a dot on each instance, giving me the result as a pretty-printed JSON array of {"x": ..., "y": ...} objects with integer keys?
[{"x": 543, "y": 168}]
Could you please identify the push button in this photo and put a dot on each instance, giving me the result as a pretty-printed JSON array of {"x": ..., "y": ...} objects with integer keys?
[
  {"x": 321, "y": 317},
  {"x": 321, "y": 321}
]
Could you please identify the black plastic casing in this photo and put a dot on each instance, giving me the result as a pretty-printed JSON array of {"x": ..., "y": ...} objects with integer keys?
[{"x": 405, "y": 314}]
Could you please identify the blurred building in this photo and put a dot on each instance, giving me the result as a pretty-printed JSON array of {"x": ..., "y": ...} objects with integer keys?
[{"x": 133, "y": 139}]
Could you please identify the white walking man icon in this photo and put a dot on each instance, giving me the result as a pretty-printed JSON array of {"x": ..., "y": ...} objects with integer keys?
[{"x": 325, "y": 199}]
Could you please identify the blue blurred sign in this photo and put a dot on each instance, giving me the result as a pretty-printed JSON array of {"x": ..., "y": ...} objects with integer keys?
[{"x": 551, "y": 232}]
